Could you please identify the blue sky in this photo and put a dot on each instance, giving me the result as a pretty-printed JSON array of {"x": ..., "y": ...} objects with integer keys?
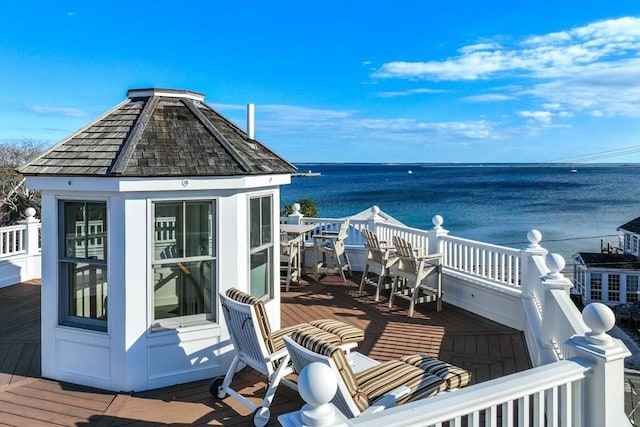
[{"x": 343, "y": 81}]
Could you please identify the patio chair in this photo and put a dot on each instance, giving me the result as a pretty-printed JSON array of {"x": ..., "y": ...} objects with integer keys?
[
  {"x": 380, "y": 257},
  {"x": 290, "y": 262},
  {"x": 375, "y": 388},
  {"x": 330, "y": 246},
  {"x": 411, "y": 273},
  {"x": 258, "y": 346}
]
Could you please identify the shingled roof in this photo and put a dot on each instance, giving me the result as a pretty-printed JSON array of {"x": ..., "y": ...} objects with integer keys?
[
  {"x": 615, "y": 261},
  {"x": 159, "y": 133},
  {"x": 632, "y": 226}
]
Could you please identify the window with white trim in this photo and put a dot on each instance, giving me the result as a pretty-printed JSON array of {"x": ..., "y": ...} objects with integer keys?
[
  {"x": 596, "y": 286},
  {"x": 613, "y": 285},
  {"x": 632, "y": 288},
  {"x": 183, "y": 262},
  {"x": 82, "y": 261},
  {"x": 261, "y": 246}
]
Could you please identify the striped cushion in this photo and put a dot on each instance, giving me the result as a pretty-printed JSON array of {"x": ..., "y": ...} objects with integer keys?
[
  {"x": 312, "y": 343},
  {"x": 277, "y": 342},
  {"x": 346, "y": 332},
  {"x": 453, "y": 376},
  {"x": 260, "y": 310},
  {"x": 377, "y": 381}
]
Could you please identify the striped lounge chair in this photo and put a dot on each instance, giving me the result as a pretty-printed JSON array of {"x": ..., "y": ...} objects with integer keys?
[
  {"x": 381, "y": 386},
  {"x": 258, "y": 346}
]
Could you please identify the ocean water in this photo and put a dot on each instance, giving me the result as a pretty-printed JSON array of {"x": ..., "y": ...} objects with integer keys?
[{"x": 496, "y": 203}]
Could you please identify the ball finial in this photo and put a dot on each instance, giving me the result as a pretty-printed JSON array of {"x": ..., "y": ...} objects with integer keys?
[
  {"x": 534, "y": 237},
  {"x": 437, "y": 221},
  {"x": 375, "y": 210},
  {"x": 317, "y": 384},
  {"x": 555, "y": 264},
  {"x": 30, "y": 212},
  {"x": 296, "y": 207},
  {"x": 600, "y": 319}
]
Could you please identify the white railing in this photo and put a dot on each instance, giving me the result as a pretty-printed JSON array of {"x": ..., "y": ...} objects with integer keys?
[
  {"x": 12, "y": 240},
  {"x": 416, "y": 237},
  {"x": 543, "y": 396},
  {"x": 483, "y": 260},
  {"x": 20, "y": 251}
]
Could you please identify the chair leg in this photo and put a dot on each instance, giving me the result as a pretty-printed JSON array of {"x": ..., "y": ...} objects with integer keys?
[
  {"x": 394, "y": 288},
  {"x": 380, "y": 282},
  {"x": 364, "y": 277},
  {"x": 347, "y": 263},
  {"x": 274, "y": 382},
  {"x": 414, "y": 296}
]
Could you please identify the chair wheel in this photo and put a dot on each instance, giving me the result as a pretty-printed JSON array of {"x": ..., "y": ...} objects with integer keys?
[
  {"x": 215, "y": 388},
  {"x": 261, "y": 416}
]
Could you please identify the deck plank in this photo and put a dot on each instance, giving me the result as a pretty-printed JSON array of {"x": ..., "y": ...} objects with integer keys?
[{"x": 485, "y": 348}]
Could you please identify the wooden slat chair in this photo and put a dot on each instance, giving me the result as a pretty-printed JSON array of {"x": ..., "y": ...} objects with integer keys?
[
  {"x": 258, "y": 346},
  {"x": 290, "y": 262},
  {"x": 381, "y": 258},
  {"x": 411, "y": 272},
  {"x": 373, "y": 389},
  {"x": 330, "y": 247}
]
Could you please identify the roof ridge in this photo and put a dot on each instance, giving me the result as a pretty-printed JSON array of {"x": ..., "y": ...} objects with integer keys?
[
  {"x": 215, "y": 132},
  {"x": 129, "y": 145},
  {"x": 239, "y": 129}
]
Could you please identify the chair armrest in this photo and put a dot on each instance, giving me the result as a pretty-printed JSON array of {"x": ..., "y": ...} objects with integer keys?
[
  {"x": 389, "y": 400},
  {"x": 277, "y": 355},
  {"x": 437, "y": 256},
  {"x": 325, "y": 236}
]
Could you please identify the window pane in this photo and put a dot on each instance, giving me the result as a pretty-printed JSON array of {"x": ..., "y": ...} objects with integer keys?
[
  {"x": 97, "y": 230},
  {"x": 198, "y": 228},
  {"x": 254, "y": 218},
  {"x": 74, "y": 232},
  {"x": 168, "y": 230},
  {"x": 266, "y": 220},
  {"x": 260, "y": 273},
  {"x": 182, "y": 289},
  {"x": 87, "y": 290}
]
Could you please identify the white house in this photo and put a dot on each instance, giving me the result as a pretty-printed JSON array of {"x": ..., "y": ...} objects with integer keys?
[
  {"x": 148, "y": 213},
  {"x": 611, "y": 278}
]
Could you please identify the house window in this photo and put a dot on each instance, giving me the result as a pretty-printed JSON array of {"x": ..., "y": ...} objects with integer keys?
[
  {"x": 184, "y": 262},
  {"x": 596, "y": 286},
  {"x": 261, "y": 246},
  {"x": 635, "y": 245},
  {"x": 82, "y": 259},
  {"x": 614, "y": 287},
  {"x": 632, "y": 288},
  {"x": 627, "y": 242}
]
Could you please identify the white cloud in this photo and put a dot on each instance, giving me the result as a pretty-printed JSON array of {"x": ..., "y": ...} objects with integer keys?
[
  {"x": 591, "y": 69},
  {"x": 553, "y": 54},
  {"x": 609, "y": 88},
  {"x": 543, "y": 117},
  {"x": 408, "y": 92},
  {"x": 56, "y": 111},
  {"x": 490, "y": 97}
]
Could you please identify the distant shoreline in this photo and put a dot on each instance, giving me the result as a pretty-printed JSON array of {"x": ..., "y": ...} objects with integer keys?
[{"x": 477, "y": 165}]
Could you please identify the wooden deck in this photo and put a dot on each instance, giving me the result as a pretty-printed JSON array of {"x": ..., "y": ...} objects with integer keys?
[{"x": 487, "y": 349}]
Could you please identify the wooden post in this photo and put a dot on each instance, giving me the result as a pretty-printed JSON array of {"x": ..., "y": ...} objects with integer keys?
[{"x": 603, "y": 388}]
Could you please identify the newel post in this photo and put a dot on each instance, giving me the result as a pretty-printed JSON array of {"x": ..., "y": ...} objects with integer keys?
[
  {"x": 532, "y": 258},
  {"x": 554, "y": 280},
  {"x": 603, "y": 387},
  {"x": 436, "y": 244},
  {"x": 296, "y": 216},
  {"x": 31, "y": 244},
  {"x": 317, "y": 384},
  {"x": 374, "y": 219}
]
